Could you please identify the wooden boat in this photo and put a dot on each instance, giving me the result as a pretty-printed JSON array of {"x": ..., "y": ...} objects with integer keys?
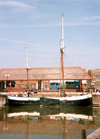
[
  {"x": 21, "y": 101},
  {"x": 82, "y": 100}
]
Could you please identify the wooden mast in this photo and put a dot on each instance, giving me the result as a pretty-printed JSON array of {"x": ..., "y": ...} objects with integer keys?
[
  {"x": 62, "y": 51},
  {"x": 62, "y": 69},
  {"x": 27, "y": 69}
]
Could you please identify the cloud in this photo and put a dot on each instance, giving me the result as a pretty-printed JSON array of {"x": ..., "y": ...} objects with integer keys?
[
  {"x": 91, "y": 18},
  {"x": 31, "y": 26},
  {"x": 16, "y": 41},
  {"x": 43, "y": 47},
  {"x": 53, "y": 25},
  {"x": 81, "y": 23},
  {"x": 14, "y": 4}
]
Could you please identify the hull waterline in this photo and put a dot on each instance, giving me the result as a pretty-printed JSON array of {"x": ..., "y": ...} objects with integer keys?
[{"x": 83, "y": 100}]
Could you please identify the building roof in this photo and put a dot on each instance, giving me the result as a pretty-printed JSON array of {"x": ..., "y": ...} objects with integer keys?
[{"x": 44, "y": 73}]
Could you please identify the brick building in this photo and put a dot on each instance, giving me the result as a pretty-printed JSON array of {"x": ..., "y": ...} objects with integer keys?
[
  {"x": 43, "y": 79},
  {"x": 95, "y": 82}
]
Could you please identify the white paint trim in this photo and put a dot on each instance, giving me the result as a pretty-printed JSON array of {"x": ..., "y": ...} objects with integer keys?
[
  {"x": 72, "y": 98},
  {"x": 23, "y": 98}
]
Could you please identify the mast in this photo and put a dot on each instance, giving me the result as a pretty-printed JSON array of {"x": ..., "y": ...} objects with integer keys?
[
  {"x": 62, "y": 51},
  {"x": 26, "y": 58},
  {"x": 27, "y": 68}
]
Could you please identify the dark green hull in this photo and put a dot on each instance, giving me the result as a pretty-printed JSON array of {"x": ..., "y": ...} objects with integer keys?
[{"x": 84, "y": 100}]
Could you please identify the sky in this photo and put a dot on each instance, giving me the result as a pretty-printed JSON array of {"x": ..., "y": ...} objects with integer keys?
[{"x": 36, "y": 24}]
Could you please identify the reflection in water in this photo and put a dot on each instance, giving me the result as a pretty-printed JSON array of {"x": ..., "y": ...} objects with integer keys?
[{"x": 56, "y": 123}]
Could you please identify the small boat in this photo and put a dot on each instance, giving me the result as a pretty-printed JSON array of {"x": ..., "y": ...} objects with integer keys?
[{"x": 82, "y": 100}]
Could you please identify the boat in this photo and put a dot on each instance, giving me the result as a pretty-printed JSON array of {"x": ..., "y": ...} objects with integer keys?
[
  {"x": 82, "y": 100},
  {"x": 63, "y": 100},
  {"x": 21, "y": 100}
]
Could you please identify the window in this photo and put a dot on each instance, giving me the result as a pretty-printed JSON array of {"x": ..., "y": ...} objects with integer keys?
[
  {"x": 45, "y": 87},
  {"x": 96, "y": 83},
  {"x": 96, "y": 76}
]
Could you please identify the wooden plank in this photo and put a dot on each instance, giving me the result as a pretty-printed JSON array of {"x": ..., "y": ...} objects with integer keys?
[
  {"x": 96, "y": 104},
  {"x": 95, "y": 134},
  {"x": 2, "y": 104}
]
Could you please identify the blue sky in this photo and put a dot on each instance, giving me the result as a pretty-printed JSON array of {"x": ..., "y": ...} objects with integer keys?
[{"x": 36, "y": 24}]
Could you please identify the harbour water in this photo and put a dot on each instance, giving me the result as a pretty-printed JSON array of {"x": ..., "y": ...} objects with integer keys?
[{"x": 47, "y": 123}]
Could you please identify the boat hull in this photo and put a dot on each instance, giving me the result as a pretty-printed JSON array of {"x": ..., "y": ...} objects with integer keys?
[
  {"x": 83, "y": 100},
  {"x": 22, "y": 101},
  {"x": 44, "y": 101}
]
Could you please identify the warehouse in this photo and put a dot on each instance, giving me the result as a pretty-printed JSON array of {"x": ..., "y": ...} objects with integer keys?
[{"x": 43, "y": 79}]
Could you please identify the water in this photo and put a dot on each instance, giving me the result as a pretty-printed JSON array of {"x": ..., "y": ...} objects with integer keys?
[{"x": 47, "y": 123}]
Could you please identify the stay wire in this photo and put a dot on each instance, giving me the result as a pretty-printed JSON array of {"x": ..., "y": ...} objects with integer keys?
[{"x": 73, "y": 46}]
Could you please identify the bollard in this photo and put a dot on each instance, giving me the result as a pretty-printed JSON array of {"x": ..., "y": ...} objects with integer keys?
[{"x": 83, "y": 133}]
